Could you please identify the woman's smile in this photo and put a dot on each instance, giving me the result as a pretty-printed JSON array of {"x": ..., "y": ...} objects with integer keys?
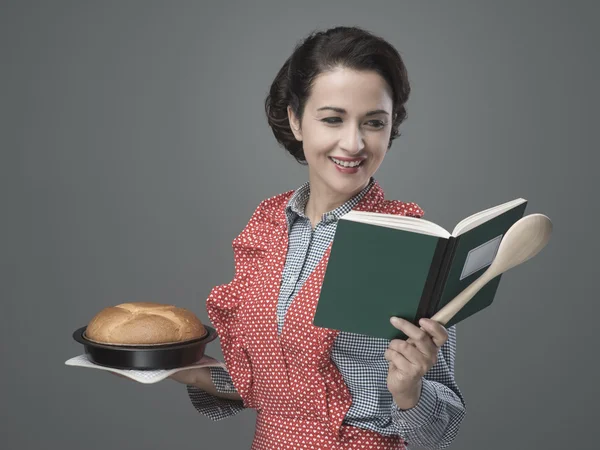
[{"x": 347, "y": 165}]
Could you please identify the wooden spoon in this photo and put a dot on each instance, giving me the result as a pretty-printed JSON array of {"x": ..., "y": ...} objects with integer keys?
[{"x": 523, "y": 240}]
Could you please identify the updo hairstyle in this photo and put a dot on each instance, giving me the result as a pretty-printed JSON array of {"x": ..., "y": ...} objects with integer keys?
[{"x": 347, "y": 47}]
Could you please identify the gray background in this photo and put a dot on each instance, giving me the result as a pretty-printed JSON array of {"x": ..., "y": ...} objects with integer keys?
[{"x": 134, "y": 149}]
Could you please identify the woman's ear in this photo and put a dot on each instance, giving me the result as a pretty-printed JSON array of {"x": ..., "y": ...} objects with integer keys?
[{"x": 294, "y": 124}]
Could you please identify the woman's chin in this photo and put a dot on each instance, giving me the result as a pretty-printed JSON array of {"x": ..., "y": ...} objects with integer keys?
[
  {"x": 342, "y": 183},
  {"x": 348, "y": 186}
]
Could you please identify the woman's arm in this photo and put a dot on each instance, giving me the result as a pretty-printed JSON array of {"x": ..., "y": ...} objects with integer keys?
[
  {"x": 435, "y": 421},
  {"x": 211, "y": 392},
  {"x": 200, "y": 378},
  {"x": 432, "y": 423}
]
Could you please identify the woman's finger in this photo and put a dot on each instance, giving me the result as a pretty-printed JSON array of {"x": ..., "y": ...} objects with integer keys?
[
  {"x": 419, "y": 361},
  {"x": 436, "y": 330},
  {"x": 398, "y": 360},
  {"x": 418, "y": 337}
]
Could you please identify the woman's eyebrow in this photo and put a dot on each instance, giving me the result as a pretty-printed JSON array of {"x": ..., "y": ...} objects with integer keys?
[{"x": 343, "y": 111}]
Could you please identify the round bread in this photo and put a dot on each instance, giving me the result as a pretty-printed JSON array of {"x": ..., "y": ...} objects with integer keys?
[{"x": 144, "y": 323}]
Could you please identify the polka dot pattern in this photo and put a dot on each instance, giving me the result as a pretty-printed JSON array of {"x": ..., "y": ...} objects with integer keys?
[{"x": 289, "y": 378}]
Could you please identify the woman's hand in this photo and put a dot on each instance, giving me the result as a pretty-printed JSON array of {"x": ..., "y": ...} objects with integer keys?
[
  {"x": 200, "y": 378},
  {"x": 189, "y": 376},
  {"x": 410, "y": 360}
]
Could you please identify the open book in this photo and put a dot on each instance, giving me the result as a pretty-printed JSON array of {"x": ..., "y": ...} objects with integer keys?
[{"x": 384, "y": 265}]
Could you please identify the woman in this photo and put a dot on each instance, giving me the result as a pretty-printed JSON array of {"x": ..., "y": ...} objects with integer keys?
[{"x": 335, "y": 105}]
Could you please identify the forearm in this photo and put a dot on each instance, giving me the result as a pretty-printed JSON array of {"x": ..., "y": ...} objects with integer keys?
[
  {"x": 410, "y": 399},
  {"x": 434, "y": 421},
  {"x": 200, "y": 378}
]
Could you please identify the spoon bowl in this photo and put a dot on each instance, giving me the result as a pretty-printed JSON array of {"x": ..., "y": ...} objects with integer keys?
[{"x": 525, "y": 239}]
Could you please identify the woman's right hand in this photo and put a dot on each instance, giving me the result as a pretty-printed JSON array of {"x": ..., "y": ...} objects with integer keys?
[
  {"x": 189, "y": 376},
  {"x": 198, "y": 377}
]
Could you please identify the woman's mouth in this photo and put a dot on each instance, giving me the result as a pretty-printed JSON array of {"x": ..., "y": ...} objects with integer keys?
[
  {"x": 347, "y": 164},
  {"x": 347, "y": 167}
]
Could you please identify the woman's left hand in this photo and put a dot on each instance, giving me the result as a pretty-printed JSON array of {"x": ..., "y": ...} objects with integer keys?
[{"x": 410, "y": 360}]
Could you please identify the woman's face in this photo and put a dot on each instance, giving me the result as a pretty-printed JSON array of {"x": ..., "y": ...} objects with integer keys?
[{"x": 346, "y": 121}]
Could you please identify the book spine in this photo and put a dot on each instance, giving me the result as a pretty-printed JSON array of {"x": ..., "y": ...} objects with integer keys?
[
  {"x": 442, "y": 276},
  {"x": 437, "y": 262}
]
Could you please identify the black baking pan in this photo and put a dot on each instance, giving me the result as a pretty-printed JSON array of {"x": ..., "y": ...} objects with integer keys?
[{"x": 146, "y": 357}]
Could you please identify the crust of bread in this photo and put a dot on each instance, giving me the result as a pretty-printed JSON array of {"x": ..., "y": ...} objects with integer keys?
[{"x": 144, "y": 323}]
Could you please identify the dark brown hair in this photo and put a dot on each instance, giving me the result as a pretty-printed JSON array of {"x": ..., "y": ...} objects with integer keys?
[{"x": 349, "y": 47}]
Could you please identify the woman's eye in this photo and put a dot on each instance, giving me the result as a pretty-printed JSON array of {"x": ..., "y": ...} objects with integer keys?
[
  {"x": 331, "y": 120},
  {"x": 334, "y": 120},
  {"x": 377, "y": 123}
]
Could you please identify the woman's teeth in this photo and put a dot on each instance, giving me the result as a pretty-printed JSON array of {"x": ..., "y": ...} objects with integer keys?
[{"x": 346, "y": 163}]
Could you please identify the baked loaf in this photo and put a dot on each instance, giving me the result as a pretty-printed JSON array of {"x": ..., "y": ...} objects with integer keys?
[{"x": 144, "y": 323}]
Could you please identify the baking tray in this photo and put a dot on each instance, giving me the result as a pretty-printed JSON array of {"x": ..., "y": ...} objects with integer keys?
[{"x": 145, "y": 357}]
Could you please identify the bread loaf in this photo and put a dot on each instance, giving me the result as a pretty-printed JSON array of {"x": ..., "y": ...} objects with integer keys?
[{"x": 144, "y": 323}]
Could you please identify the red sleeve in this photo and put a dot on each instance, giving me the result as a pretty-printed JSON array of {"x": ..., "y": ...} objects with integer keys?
[{"x": 224, "y": 302}]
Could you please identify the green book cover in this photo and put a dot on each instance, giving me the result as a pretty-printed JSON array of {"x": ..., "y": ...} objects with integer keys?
[{"x": 382, "y": 266}]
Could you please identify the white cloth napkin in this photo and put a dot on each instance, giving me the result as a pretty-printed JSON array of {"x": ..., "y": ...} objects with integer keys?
[{"x": 143, "y": 376}]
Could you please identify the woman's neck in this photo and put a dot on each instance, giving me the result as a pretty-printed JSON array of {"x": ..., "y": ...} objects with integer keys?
[
  {"x": 322, "y": 200},
  {"x": 318, "y": 205}
]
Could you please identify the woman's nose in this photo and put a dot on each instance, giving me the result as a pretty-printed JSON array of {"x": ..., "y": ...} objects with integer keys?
[{"x": 352, "y": 140}]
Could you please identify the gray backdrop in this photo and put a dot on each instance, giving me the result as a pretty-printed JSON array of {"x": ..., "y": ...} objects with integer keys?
[{"x": 135, "y": 147}]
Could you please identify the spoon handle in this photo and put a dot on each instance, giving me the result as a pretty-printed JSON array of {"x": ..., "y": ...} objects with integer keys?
[{"x": 444, "y": 315}]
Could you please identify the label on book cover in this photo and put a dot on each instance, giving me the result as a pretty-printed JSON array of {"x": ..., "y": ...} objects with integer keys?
[{"x": 481, "y": 256}]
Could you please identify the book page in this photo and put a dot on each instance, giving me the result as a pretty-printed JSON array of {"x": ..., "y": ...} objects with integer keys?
[
  {"x": 477, "y": 219},
  {"x": 416, "y": 225}
]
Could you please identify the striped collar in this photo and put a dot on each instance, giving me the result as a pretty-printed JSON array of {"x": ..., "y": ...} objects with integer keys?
[{"x": 297, "y": 204}]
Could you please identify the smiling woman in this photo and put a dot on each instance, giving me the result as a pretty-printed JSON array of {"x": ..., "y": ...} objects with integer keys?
[
  {"x": 345, "y": 144},
  {"x": 336, "y": 106}
]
